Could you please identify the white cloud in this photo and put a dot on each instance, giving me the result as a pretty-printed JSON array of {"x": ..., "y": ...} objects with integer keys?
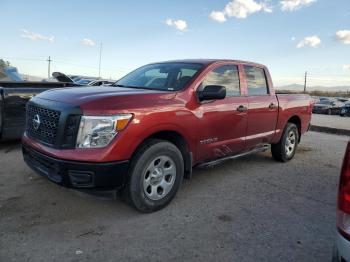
[
  {"x": 179, "y": 24},
  {"x": 291, "y": 5},
  {"x": 240, "y": 9},
  {"x": 312, "y": 41},
  {"x": 35, "y": 36},
  {"x": 343, "y": 36},
  {"x": 88, "y": 42},
  {"x": 293, "y": 38},
  {"x": 218, "y": 16},
  {"x": 346, "y": 67},
  {"x": 266, "y": 8}
]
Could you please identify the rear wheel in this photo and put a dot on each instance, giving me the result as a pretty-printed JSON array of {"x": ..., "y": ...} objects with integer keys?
[
  {"x": 285, "y": 149},
  {"x": 155, "y": 175}
]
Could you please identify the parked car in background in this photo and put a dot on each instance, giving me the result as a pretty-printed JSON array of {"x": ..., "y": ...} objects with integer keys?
[
  {"x": 15, "y": 93},
  {"x": 145, "y": 133},
  {"x": 61, "y": 77},
  {"x": 342, "y": 99},
  {"x": 323, "y": 98},
  {"x": 94, "y": 82},
  {"x": 85, "y": 81},
  {"x": 323, "y": 106},
  {"x": 342, "y": 247},
  {"x": 345, "y": 109},
  {"x": 101, "y": 82},
  {"x": 13, "y": 99},
  {"x": 337, "y": 105},
  {"x": 80, "y": 80}
]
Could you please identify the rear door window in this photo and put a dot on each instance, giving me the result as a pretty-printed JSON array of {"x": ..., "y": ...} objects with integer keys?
[
  {"x": 226, "y": 76},
  {"x": 256, "y": 81}
]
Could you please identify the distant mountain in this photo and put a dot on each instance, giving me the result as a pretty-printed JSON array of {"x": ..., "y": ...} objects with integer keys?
[{"x": 297, "y": 87}]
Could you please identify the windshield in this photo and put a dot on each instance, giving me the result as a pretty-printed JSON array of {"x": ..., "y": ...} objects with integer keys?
[{"x": 162, "y": 76}]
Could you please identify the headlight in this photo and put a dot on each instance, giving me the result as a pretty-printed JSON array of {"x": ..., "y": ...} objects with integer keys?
[{"x": 98, "y": 131}]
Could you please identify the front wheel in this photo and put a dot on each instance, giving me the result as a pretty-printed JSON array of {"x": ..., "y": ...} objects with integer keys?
[
  {"x": 155, "y": 176},
  {"x": 285, "y": 149}
]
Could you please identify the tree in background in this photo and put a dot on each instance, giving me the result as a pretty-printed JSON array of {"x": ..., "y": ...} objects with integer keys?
[{"x": 4, "y": 63}]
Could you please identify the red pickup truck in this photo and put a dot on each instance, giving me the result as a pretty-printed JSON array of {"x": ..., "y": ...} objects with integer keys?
[{"x": 146, "y": 132}]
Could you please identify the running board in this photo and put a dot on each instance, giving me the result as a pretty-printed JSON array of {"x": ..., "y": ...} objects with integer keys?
[{"x": 220, "y": 160}]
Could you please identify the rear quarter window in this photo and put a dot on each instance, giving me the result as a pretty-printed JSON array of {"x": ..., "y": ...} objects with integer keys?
[{"x": 256, "y": 81}]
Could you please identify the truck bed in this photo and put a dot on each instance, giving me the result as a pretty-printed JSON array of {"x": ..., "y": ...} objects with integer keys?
[{"x": 294, "y": 104}]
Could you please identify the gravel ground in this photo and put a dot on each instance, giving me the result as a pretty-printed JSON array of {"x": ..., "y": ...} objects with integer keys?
[
  {"x": 332, "y": 121},
  {"x": 250, "y": 209}
]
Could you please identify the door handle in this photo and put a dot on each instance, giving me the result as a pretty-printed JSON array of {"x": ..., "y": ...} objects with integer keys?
[
  {"x": 272, "y": 106},
  {"x": 242, "y": 108}
]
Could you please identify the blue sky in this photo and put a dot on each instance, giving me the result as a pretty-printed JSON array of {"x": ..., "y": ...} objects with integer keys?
[{"x": 134, "y": 33}]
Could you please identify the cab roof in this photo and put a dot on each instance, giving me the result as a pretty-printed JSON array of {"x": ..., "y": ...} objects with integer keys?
[{"x": 211, "y": 61}]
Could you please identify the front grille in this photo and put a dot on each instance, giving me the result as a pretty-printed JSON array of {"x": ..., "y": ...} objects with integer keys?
[{"x": 47, "y": 129}]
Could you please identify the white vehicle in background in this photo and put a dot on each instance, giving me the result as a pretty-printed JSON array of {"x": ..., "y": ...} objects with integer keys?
[
  {"x": 342, "y": 246},
  {"x": 81, "y": 80},
  {"x": 94, "y": 82}
]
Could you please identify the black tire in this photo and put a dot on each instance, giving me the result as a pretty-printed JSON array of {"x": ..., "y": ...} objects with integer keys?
[
  {"x": 134, "y": 192},
  {"x": 279, "y": 151}
]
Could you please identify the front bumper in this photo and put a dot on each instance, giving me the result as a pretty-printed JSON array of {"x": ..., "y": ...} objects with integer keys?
[
  {"x": 77, "y": 174},
  {"x": 341, "y": 249}
]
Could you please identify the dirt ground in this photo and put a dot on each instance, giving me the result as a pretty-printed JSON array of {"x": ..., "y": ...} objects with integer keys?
[{"x": 250, "y": 209}]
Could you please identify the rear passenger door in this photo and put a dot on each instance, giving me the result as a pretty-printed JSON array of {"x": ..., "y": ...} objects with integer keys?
[
  {"x": 262, "y": 107},
  {"x": 223, "y": 123}
]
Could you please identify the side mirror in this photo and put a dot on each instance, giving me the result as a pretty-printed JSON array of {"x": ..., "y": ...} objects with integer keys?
[{"x": 212, "y": 92}]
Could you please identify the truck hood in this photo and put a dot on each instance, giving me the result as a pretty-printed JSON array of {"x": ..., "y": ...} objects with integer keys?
[{"x": 97, "y": 94}]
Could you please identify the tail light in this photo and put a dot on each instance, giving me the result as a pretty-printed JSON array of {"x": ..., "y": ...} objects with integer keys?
[{"x": 343, "y": 212}]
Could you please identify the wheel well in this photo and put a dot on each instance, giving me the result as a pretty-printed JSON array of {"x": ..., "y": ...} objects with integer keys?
[
  {"x": 296, "y": 120},
  {"x": 180, "y": 142}
]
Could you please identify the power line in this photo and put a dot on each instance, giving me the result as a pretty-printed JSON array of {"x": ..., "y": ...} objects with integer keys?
[
  {"x": 24, "y": 58},
  {"x": 121, "y": 69},
  {"x": 338, "y": 75},
  {"x": 94, "y": 67}
]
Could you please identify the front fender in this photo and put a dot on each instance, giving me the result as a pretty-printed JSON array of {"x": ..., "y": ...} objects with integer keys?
[{"x": 128, "y": 141}]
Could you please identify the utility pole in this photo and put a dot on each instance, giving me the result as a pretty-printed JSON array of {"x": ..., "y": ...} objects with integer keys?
[
  {"x": 305, "y": 82},
  {"x": 49, "y": 67},
  {"x": 99, "y": 64}
]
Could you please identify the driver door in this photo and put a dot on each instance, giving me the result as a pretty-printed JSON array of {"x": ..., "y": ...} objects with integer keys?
[{"x": 223, "y": 123}]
